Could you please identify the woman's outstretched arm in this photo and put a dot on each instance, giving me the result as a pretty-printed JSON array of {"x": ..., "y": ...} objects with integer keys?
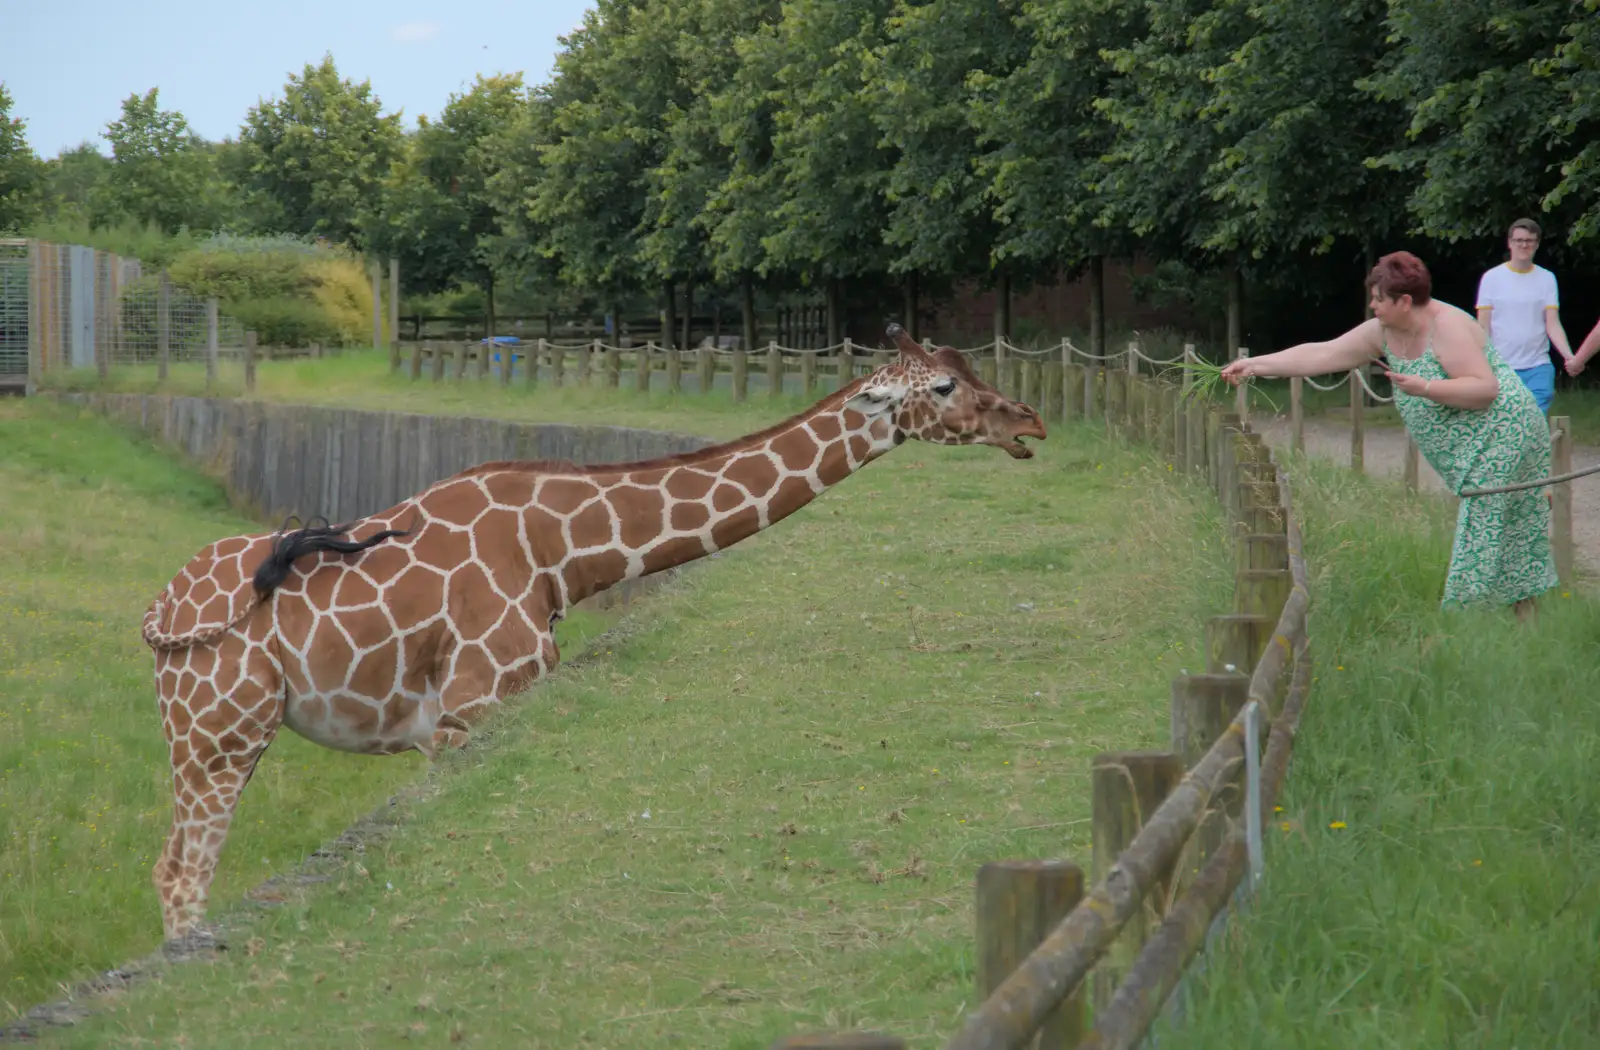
[{"x": 1350, "y": 350}]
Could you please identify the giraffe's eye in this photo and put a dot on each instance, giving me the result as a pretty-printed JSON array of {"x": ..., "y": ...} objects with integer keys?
[{"x": 945, "y": 387}]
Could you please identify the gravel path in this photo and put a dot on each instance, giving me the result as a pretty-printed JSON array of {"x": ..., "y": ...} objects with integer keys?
[{"x": 1384, "y": 454}]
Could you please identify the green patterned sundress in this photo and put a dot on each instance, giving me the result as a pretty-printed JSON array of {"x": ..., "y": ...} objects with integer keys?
[{"x": 1502, "y": 548}]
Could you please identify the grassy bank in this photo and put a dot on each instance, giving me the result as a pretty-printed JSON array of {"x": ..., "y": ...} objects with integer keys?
[
  {"x": 761, "y": 807},
  {"x": 95, "y": 523},
  {"x": 1432, "y": 879}
]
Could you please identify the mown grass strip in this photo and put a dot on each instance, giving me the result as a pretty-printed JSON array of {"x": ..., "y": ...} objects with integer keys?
[{"x": 760, "y": 805}]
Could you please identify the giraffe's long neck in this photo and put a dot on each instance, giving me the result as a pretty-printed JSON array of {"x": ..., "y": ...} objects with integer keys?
[{"x": 624, "y": 523}]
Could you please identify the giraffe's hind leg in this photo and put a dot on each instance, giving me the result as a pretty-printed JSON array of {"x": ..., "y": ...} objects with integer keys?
[{"x": 221, "y": 706}]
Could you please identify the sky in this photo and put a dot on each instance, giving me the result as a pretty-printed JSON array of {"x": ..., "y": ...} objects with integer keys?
[{"x": 68, "y": 64}]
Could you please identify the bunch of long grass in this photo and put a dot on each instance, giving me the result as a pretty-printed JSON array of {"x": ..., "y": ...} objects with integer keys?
[{"x": 1205, "y": 381}]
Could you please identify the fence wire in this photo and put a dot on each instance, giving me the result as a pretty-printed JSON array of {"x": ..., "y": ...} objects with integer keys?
[{"x": 76, "y": 307}]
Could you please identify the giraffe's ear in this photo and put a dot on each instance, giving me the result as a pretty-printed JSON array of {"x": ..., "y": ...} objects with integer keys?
[{"x": 909, "y": 348}]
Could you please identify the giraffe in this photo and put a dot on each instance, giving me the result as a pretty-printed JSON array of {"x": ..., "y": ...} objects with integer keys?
[{"x": 397, "y": 631}]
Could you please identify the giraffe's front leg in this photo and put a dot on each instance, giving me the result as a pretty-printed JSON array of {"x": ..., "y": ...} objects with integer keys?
[{"x": 485, "y": 677}]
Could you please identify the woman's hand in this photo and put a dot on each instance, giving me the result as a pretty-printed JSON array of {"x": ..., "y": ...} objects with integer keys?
[
  {"x": 1416, "y": 386},
  {"x": 1238, "y": 370}
]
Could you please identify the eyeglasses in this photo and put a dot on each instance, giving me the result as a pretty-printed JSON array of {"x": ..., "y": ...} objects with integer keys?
[{"x": 1524, "y": 242}]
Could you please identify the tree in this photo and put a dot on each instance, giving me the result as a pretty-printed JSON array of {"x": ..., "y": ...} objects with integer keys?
[
  {"x": 435, "y": 211},
  {"x": 1159, "y": 176},
  {"x": 702, "y": 150},
  {"x": 1575, "y": 74},
  {"x": 161, "y": 174},
  {"x": 77, "y": 181},
  {"x": 614, "y": 81},
  {"x": 1289, "y": 184},
  {"x": 925, "y": 84},
  {"x": 1045, "y": 141},
  {"x": 1477, "y": 152},
  {"x": 831, "y": 165},
  {"x": 315, "y": 158},
  {"x": 21, "y": 171}
]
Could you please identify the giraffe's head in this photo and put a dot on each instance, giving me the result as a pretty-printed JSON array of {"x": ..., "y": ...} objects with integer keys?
[{"x": 936, "y": 396}]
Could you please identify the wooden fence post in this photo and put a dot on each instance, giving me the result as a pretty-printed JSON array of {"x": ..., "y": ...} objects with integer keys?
[
  {"x": 1242, "y": 393},
  {"x": 461, "y": 361},
  {"x": 1561, "y": 507},
  {"x": 1236, "y": 640},
  {"x": 808, "y": 372},
  {"x": 1127, "y": 787},
  {"x": 213, "y": 338},
  {"x": 163, "y": 327},
  {"x": 707, "y": 371},
  {"x": 642, "y": 365},
  {"x": 1202, "y": 707},
  {"x": 741, "y": 374},
  {"x": 558, "y": 363},
  {"x": 613, "y": 359},
  {"x": 847, "y": 364},
  {"x": 530, "y": 363},
  {"x": 394, "y": 314},
  {"x": 1358, "y": 423},
  {"x": 674, "y": 369},
  {"x": 436, "y": 356},
  {"x": 774, "y": 369},
  {"x": 417, "y": 352},
  {"x": 1297, "y": 414},
  {"x": 249, "y": 360},
  {"x": 1019, "y": 902}
]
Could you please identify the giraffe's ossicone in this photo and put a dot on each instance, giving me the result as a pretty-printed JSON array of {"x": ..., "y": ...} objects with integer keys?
[{"x": 394, "y": 632}]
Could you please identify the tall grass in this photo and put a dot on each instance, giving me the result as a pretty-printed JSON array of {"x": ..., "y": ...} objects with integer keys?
[{"x": 1434, "y": 877}]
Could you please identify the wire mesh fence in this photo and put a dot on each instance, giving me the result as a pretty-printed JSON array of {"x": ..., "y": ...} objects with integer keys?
[{"x": 69, "y": 307}]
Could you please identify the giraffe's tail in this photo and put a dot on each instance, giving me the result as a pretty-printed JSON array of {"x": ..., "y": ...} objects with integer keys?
[
  {"x": 158, "y": 628},
  {"x": 185, "y": 614},
  {"x": 289, "y": 546}
]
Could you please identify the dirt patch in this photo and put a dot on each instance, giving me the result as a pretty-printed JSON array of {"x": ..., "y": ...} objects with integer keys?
[{"x": 1383, "y": 454}]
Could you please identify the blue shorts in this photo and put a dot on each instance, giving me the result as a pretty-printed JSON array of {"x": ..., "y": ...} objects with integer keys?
[{"x": 1541, "y": 380}]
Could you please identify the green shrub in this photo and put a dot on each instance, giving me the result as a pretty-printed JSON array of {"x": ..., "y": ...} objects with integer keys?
[{"x": 285, "y": 321}]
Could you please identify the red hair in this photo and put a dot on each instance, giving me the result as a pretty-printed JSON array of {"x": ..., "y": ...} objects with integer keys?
[{"x": 1401, "y": 273}]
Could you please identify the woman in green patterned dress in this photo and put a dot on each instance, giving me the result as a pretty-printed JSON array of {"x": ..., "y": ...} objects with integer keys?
[{"x": 1468, "y": 413}]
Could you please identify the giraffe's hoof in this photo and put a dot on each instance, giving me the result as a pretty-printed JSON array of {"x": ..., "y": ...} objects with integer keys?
[{"x": 197, "y": 943}]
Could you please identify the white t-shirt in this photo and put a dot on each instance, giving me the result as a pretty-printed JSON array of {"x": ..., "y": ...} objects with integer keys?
[{"x": 1516, "y": 321}]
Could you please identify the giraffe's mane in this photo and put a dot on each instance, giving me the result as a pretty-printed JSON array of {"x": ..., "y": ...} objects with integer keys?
[{"x": 679, "y": 459}]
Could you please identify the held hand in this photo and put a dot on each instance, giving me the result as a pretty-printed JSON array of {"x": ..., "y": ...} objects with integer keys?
[
  {"x": 1574, "y": 366},
  {"x": 1238, "y": 370},
  {"x": 1416, "y": 386}
]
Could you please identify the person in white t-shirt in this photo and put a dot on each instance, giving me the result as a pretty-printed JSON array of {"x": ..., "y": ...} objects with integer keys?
[{"x": 1520, "y": 307}]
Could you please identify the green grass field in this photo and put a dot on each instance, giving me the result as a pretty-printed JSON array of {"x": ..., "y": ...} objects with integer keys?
[
  {"x": 760, "y": 804},
  {"x": 1433, "y": 880},
  {"x": 95, "y": 523}
]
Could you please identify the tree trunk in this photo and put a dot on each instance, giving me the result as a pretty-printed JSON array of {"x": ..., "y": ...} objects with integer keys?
[
  {"x": 688, "y": 315},
  {"x": 750, "y": 330},
  {"x": 669, "y": 314},
  {"x": 1002, "y": 308},
  {"x": 1097, "y": 306},
  {"x": 910, "y": 310},
  {"x": 1235, "y": 309},
  {"x": 834, "y": 318}
]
